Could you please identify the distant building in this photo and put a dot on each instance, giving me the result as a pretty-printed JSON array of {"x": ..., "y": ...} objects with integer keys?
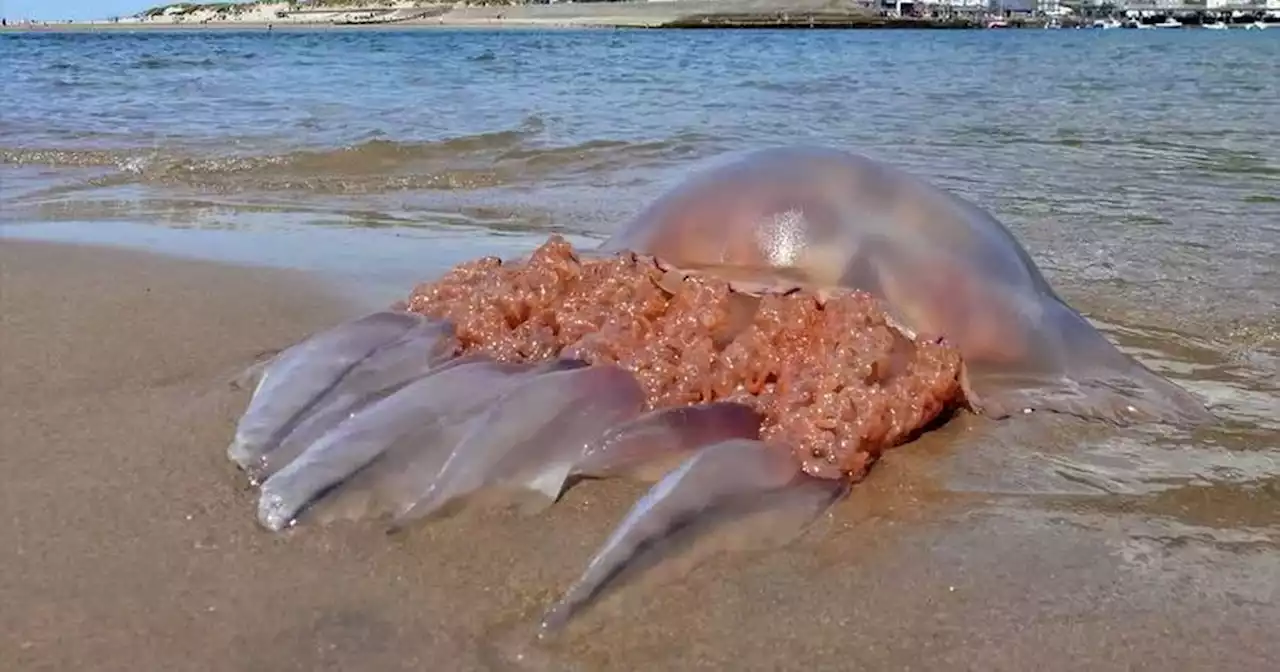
[
  {"x": 1153, "y": 5},
  {"x": 1014, "y": 6},
  {"x": 1193, "y": 5},
  {"x": 937, "y": 6},
  {"x": 952, "y": 3}
]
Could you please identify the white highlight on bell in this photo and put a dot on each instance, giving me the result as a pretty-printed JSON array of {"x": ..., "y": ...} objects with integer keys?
[{"x": 784, "y": 238}]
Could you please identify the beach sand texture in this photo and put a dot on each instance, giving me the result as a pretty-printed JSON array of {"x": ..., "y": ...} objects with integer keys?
[{"x": 129, "y": 540}]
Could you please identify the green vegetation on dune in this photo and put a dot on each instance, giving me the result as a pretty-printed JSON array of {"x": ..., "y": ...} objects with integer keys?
[
  {"x": 184, "y": 8},
  {"x": 355, "y": 3}
]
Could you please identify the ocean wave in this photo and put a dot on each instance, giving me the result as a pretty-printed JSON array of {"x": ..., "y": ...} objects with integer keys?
[
  {"x": 470, "y": 162},
  {"x": 164, "y": 62}
]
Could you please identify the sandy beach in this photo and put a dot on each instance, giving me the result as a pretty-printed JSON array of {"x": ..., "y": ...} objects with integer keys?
[
  {"x": 260, "y": 17},
  {"x": 411, "y": 16},
  {"x": 130, "y": 542},
  {"x": 365, "y": 161}
]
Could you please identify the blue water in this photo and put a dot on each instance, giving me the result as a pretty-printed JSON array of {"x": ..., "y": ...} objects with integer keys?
[
  {"x": 1065, "y": 134},
  {"x": 1140, "y": 168}
]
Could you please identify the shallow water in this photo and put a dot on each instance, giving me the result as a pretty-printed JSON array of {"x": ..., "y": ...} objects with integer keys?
[{"x": 1141, "y": 169}]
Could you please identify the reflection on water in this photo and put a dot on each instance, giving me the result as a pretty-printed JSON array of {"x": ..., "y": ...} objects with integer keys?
[{"x": 1141, "y": 169}]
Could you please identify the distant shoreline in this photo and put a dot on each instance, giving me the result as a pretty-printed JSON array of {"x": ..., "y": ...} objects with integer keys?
[
  {"x": 671, "y": 14},
  {"x": 584, "y": 23},
  {"x": 671, "y": 22},
  {"x": 407, "y": 16},
  {"x": 616, "y": 15},
  {"x": 90, "y": 27},
  {"x": 85, "y": 27}
]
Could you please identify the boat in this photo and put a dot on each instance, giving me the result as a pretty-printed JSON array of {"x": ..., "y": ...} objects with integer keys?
[
  {"x": 1256, "y": 25},
  {"x": 1169, "y": 22},
  {"x": 1107, "y": 24},
  {"x": 1216, "y": 25}
]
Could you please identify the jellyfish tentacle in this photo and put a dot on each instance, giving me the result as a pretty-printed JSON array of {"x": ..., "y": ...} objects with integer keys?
[
  {"x": 650, "y": 446},
  {"x": 425, "y": 350},
  {"x": 720, "y": 481},
  {"x": 299, "y": 375},
  {"x": 396, "y": 429},
  {"x": 529, "y": 440},
  {"x": 251, "y": 376},
  {"x": 393, "y": 481}
]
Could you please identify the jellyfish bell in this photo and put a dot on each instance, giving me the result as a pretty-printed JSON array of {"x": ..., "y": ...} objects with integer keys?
[{"x": 944, "y": 267}]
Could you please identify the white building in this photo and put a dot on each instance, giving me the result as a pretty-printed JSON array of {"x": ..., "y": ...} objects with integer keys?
[
  {"x": 1247, "y": 5},
  {"x": 970, "y": 4}
]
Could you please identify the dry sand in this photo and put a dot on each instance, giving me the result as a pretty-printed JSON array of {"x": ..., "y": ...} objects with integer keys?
[{"x": 129, "y": 541}]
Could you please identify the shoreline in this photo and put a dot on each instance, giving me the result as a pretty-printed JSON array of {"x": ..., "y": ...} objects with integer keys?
[
  {"x": 667, "y": 14},
  {"x": 768, "y": 21},
  {"x": 672, "y": 14},
  {"x": 368, "y": 266},
  {"x": 126, "y": 524},
  {"x": 586, "y": 24}
]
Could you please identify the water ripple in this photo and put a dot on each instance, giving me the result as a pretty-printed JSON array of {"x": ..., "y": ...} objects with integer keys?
[{"x": 1141, "y": 168}]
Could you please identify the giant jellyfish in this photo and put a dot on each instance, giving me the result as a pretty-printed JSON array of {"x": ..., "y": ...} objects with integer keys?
[
  {"x": 755, "y": 338},
  {"x": 941, "y": 265}
]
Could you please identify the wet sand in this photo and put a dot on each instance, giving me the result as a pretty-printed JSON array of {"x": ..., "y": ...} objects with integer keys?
[{"x": 129, "y": 540}]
